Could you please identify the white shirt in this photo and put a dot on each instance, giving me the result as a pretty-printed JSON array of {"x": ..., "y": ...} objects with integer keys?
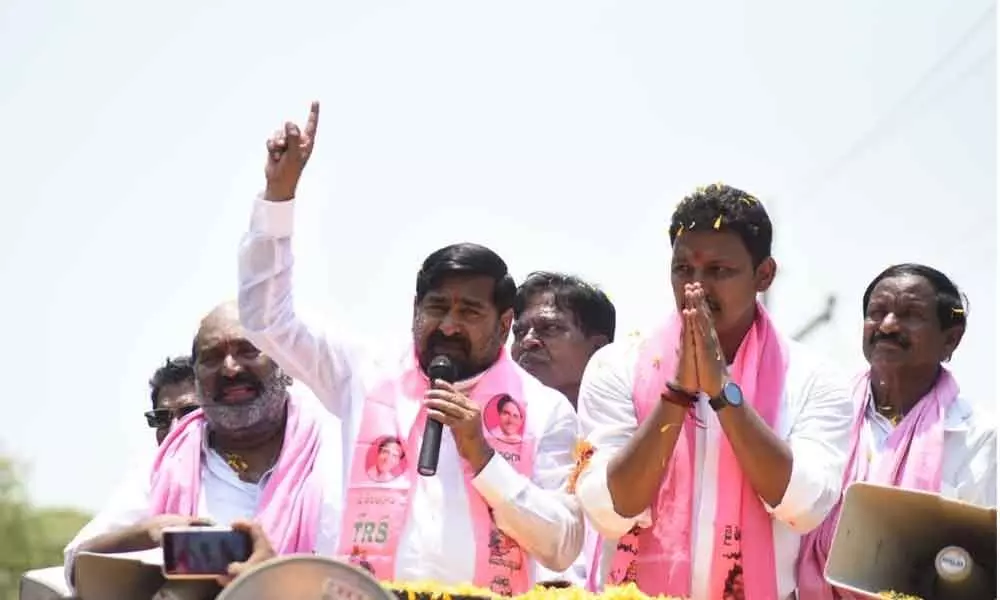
[
  {"x": 577, "y": 573},
  {"x": 224, "y": 497},
  {"x": 969, "y": 464},
  {"x": 437, "y": 541},
  {"x": 814, "y": 419}
]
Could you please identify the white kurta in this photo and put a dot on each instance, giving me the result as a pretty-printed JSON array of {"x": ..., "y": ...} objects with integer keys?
[
  {"x": 814, "y": 418},
  {"x": 437, "y": 542},
  {"x": 969, "y": 464},
  {"x": 224, "y": 497}
]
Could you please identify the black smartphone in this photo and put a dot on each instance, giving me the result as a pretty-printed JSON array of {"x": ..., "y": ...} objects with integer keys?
[{"x": 202, "y": 552}]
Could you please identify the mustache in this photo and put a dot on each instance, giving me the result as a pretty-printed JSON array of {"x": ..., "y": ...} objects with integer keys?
[
  {"x": 439, "y": 339},
  {"x": 242, "y": 379},
  {"x": 532, "y": 356},
  {"x": 894, "y": 338}
]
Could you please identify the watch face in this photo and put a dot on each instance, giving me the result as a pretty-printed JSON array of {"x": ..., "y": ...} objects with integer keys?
[{"x": 733, "y": 394}]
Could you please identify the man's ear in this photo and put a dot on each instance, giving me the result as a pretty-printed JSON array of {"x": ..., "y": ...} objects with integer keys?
[
  {"x": 764, "y": 274},
  {"x": 952, "y": 337},
  {"x": 506, "y": 322}
]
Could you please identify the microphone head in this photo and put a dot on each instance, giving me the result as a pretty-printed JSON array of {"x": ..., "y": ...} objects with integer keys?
[{"x": 441, "y": 367}]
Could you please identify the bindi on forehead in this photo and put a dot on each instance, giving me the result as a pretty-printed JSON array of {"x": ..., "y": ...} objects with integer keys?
[{"x": 710, "y": 246}]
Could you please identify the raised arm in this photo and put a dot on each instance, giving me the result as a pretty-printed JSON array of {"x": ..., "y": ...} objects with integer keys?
[{"x": 267, "y": 308}]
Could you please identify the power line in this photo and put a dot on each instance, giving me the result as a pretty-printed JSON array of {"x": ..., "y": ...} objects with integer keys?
[
  {"x": 890, "y": 117},
  {"x": 882, "y": 125}
]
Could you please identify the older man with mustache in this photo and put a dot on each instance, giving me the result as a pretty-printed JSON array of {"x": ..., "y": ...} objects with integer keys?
[
  {"x": 912, "y": 428},
  {"x": 560, "y": 320},
  {"x": 254, "y": 451}
]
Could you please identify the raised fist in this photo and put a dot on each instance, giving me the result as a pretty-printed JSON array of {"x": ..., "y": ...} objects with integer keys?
[{"x": 288, "y": 151}]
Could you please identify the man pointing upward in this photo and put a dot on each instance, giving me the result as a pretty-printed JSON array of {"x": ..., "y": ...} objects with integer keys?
[{"x": 501, "y": 497}]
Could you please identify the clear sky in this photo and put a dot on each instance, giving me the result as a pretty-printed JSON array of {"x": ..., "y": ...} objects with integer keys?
[{"x": 561, "y": 133}]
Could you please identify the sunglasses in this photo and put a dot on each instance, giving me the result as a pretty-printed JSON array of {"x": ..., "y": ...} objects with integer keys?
[{"x": 161, "y": 418}]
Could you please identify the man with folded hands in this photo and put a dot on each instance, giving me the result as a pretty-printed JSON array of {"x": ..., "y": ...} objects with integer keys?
[{"x": 716, "y": 442}]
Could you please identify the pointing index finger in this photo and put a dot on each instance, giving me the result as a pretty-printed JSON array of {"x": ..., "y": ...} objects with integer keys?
[{"x": 313, "y": 121}]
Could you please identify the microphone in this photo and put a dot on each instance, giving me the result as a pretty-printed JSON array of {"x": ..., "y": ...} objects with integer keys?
[{"x": 442, "y": 368}]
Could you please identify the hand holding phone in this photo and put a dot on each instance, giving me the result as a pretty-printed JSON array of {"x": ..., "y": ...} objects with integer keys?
[
  {"x": 260, "y": 551},
  {"x": 203, "y": 552}
]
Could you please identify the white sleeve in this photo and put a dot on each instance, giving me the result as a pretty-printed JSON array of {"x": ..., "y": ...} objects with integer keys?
[
  {"x": 539, "y": 513},
  {"x": 819, "y": 439},
  {"x": 267, "y": 311},
  {"x": 608, "y": 421},
  {"x": 128, "y": 506}
]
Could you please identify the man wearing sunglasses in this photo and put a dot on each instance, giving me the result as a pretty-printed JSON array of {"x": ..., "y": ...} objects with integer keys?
[{"x": 172, "y": 391}]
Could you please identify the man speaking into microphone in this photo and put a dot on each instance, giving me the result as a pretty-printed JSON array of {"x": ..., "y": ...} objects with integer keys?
[{"x": 453, "y": 502}]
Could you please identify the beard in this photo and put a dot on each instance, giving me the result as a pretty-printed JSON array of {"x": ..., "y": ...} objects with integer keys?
[{"x": 251, "y": 418}]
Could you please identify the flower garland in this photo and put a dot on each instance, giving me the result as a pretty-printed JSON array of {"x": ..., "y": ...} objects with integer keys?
[
  {"x": 581, "y": 454},
  {"x": 432, "y": 591}
]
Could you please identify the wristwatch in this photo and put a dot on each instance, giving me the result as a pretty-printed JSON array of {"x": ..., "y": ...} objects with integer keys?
[{"x": 731, "y": 395}]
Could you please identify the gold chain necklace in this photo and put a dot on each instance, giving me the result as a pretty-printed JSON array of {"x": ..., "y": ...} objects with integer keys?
[
  {"x": 890, "y": 414},
  {"x": 236, "y": 463}
]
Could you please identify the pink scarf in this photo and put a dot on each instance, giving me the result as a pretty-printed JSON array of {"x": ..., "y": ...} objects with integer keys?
[
  {"x": 912, "y": 459},
  {"x": 658, "y": 559},
  {"x": 290, "y": 504},
  {"x": 379, "y": 496}
]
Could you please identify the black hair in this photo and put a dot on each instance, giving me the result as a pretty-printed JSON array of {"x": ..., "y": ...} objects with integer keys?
[
  {"x": 504, "y": 401},
  {"x": 952, "y": 304},
  {"x": 467, "y": 259},
  {"x": 389, "y": 440},
  {"x": 591, "y": 308},
  {"x": 384, "y": 443},
  {"x": 175, "y": 370},
  {"x": 725, "y": 208}
]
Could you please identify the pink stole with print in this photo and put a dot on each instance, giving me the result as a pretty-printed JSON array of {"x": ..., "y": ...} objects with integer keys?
[
  {"x": 658, "y": 559},
  {"x": 913, "y": 457},
  {"x": 380, "y": 489},
  {"x": 292, "y": 498}
]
